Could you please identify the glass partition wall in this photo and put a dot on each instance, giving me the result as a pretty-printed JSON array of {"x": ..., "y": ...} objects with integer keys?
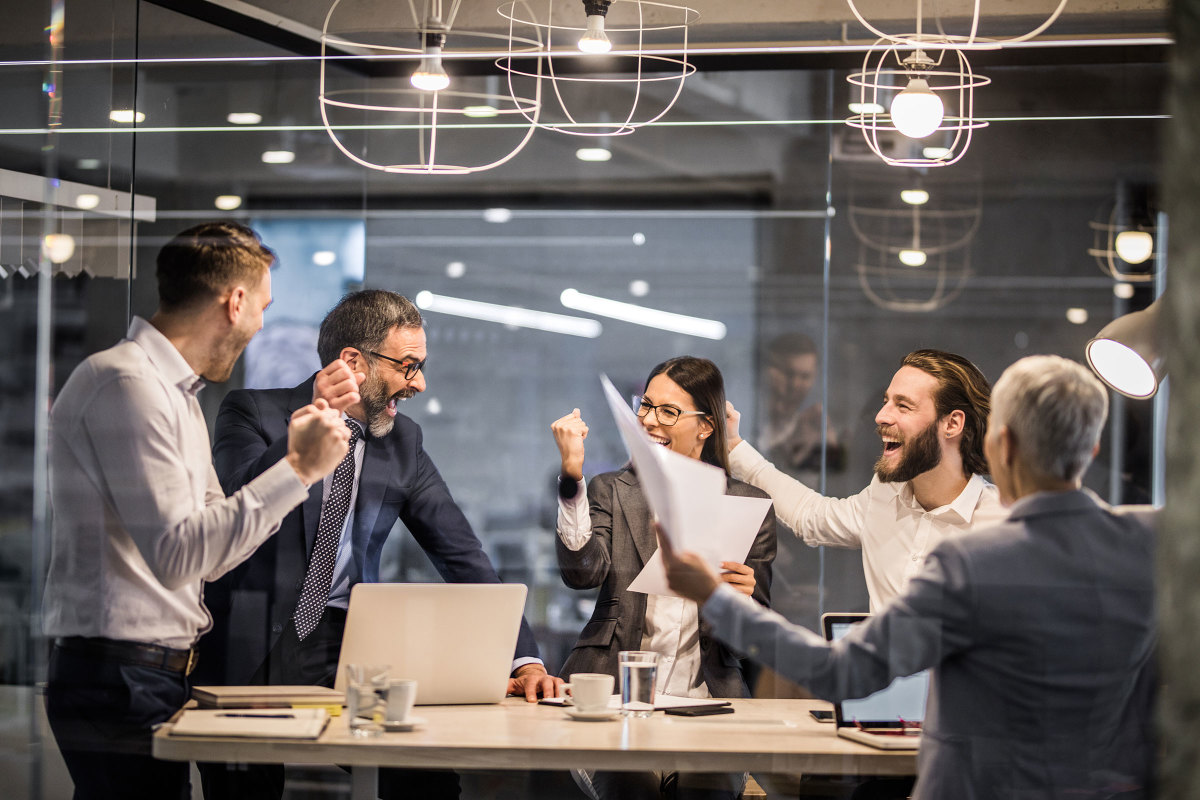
[{"x": 751, "y": 205}]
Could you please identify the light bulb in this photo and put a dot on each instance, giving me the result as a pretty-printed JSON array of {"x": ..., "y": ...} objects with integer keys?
[
  {"x": 594, "y": 39},
  {"x": 58, "y": 247},
  {"x": 917, "y": 111},
  {"x": 1134, "y": 247},
  {"x": 914, "y": 197},
  {"x": 912, "y": 258},
  {"x": 430, "y": 76},
  {"x": 228, "y": 202}
]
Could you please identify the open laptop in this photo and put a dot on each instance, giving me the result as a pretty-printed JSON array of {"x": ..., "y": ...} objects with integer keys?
[
  {"x": 456, "y": 639},
  {"x": 891, "y": 718}
]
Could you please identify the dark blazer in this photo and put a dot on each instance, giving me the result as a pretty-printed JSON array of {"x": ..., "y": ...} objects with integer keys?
[
  {"x": 622, "y": 542},
  {"x": 1041, "y": 635},
  {"x": 252, "y": 603}
]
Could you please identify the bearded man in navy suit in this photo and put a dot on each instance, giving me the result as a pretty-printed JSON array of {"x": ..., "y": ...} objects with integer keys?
[{"x": 267, "y": 626}]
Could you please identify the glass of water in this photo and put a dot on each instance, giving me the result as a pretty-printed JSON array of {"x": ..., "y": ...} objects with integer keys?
[
  {"x": 639, "y": 672},
  {"x": 366, "y": 698}
]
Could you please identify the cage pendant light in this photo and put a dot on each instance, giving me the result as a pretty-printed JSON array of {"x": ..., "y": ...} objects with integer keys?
[
  {"x": 609, "y": 66},
  {"x": 915, "y": 93},
  {"x": 971, "y": 40},
  {"x": 414, "y": 95}
]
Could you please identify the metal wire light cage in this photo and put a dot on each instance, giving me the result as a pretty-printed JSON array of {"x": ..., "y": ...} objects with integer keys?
[
  {"x": 377, "y": 119},
  {"x": 887, "y": 71},
  {"x": 592, "y": 94}
]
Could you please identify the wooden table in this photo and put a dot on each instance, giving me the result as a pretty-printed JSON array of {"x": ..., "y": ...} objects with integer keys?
[{"x": 765, "y": 736}]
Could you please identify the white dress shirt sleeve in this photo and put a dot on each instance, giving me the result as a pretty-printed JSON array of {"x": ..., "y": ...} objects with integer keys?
[
  {"x": 574, "y": 518},
  {"x": 818, "y": 520},
  {"x": 180, "y": 536}
]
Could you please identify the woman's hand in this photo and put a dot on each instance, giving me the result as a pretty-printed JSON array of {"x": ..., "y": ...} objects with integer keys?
[
  {"x": 569, "y": 433},
  {"x": 732, "y": 418},
  {"x": 739, "y": 576}
]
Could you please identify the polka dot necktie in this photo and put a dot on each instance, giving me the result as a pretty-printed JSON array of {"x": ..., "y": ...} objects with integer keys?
[{"x": 318, "y": 577}]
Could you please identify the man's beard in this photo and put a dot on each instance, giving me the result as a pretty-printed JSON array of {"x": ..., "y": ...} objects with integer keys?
[
  {"x": 227, "y": 355},
  {"x": 919, "y": 454},
  {"x": 375, "y": 398}
]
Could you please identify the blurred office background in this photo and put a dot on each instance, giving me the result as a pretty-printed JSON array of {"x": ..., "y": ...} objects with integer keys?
[{"x": 751, "y": 204}]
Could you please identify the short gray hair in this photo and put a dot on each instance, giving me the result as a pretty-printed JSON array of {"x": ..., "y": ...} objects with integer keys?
[
  {"x": 1055, "y": 409},
  {"x": 363, "y": 320}
]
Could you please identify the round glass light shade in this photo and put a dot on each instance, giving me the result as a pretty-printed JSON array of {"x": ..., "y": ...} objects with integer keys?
[
  {"x": 1134, "y": 247},
  {"x": 917, "y": 111},
  {"x": 1122, "y": 368},
  {"x": 912, "y": 258}
]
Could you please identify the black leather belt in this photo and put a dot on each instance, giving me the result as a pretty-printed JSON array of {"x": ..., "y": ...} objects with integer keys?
[{"x": 147, "y": 655}]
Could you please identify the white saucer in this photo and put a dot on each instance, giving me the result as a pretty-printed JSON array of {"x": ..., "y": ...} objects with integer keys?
[
  {"x": 592, "y": 716},
  {"x": 410, "y": 724}
]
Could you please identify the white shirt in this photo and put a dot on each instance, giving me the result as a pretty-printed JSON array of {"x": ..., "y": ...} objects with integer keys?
[
  {"x": 139, "y": 516},
  {"x": 672, "y": 626},
  {"x": 884, "y": 520}
]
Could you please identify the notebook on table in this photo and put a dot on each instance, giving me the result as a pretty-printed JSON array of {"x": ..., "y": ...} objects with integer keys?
[
  {"x": 891, "y": 718},
  {"x": 455, "y": 639},
  {"x": 265, "y": 696}
]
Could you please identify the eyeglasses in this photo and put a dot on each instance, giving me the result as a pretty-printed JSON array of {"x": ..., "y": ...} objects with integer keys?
[
  {"x": 665, "y": 414},
  {"x": 409, "y": 369}
]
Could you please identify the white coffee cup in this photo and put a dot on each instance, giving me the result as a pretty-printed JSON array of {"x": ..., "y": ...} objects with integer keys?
[
  {"x": 590, "y": 691},
  {"x": 402, "y": 693}
]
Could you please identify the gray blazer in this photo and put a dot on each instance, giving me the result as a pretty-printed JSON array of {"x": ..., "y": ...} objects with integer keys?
[
  {"x": 622, "y": 542},
  {"x": 1040, "y": 632}
]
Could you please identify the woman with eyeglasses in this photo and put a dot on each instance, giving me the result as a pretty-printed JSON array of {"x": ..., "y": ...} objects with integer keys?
[{"x": 604, "y": 540}]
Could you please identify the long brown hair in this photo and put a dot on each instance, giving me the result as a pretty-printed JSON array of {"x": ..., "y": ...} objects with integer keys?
[
  {"x": 962, "y": 387},
  {"x": 701, "y": 379}
]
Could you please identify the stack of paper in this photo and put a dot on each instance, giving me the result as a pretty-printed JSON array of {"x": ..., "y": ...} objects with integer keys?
[
  {"x": 688, "y": 498},
  {"x": 297, "y": 723},
  {"x": 265, "y": 696}
]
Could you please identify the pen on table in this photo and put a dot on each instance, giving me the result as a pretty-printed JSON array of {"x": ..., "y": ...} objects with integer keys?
[{"x": 261, "y": 716}]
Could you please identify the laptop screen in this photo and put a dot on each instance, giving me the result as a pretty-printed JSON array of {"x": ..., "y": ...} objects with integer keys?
[{"x": 904, "y": 699}]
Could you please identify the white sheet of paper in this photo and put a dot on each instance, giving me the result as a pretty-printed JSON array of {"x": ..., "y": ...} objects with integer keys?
[
  {"x": 727, "y": 535},
  {"x": 671, "y": 482}
]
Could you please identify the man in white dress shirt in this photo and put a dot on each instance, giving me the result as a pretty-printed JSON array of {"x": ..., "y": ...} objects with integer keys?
[
  {"x": 928, "y": 482},
  {"x": 139, "y": 516}
]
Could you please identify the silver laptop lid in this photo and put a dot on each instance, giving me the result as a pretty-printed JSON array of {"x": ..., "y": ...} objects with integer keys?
[
  {"x": 903, "y": 700},
  {"x": 456, "y": 639}
]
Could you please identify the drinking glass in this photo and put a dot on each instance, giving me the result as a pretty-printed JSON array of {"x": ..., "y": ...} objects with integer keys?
[
  {"x": 639, "y": 672},
  {"x": 366, "y": 698}
]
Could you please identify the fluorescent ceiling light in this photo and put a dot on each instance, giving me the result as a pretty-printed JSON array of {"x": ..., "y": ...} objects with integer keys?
[
  {"x": 509, "y": 315},
  {"x": 87, "y": 201},
  {"x": 594, "y": 154},
  {"x": 228, "y": 202},
  {"x": 126, "y": 115},
  {"x": 88, "y": 163},
  {"x": 498, "y": 216},
  {"x": 915, "y": 197},
  {"x": 243, "y": 118},
  {"x": 640, "y": 315},
  {"x": 866, "y": 108},
  {"x": 278, "y": 157},
  {"x": 324, "y": 258}
]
